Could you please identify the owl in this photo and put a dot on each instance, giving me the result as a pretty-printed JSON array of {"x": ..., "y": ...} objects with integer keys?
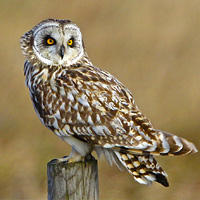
[{"x": 89, "y": 108}]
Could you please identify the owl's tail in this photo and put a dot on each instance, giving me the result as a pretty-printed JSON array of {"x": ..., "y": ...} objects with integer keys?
[
  {"x": 141, "y": 164},
  {"x": 172, "y": 145},
  {"x": 164, "y": 144},
  {"x": 144, "y": 168}
]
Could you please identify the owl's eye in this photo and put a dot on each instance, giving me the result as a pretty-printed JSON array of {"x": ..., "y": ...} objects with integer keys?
[
  {"x": 71, "y": 42},
  {"x": 49, "y": 41}
]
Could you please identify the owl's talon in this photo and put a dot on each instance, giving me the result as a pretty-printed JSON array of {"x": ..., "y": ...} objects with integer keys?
[
  {"x": 65, "y": 156},
  {"x": 53, "y": 161},
  {"x": 64, "y": 159}
]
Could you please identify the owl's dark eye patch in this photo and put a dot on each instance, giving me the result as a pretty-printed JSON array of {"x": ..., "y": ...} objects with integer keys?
[{"x": 49, "y": 41}]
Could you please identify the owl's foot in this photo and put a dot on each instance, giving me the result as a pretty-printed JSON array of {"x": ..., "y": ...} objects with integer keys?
[
  {"x": 64, "y": 159},
  {"x": 69, "y": 159},
  {"x": 60, "y": 160}
]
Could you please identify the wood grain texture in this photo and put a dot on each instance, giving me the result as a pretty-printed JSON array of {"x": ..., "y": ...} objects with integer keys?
[{"x": 73, "y": 181}]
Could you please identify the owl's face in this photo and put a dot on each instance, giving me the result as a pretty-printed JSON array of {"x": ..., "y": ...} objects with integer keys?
[{"x": 56, "y": 42}]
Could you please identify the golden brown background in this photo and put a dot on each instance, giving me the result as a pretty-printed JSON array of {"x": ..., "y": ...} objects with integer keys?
[{"x": 153, "y": 47}]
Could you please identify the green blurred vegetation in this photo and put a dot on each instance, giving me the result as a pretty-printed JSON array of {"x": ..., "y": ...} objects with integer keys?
[{"x": 153, "y": 47}]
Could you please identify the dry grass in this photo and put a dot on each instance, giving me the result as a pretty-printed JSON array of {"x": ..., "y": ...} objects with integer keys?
[{"x": 153, "y": 47}]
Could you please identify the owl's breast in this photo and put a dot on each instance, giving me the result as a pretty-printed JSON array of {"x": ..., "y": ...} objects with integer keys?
[
  {"x": 80, "y": 102},
  {"x": 59, "y": 101}
]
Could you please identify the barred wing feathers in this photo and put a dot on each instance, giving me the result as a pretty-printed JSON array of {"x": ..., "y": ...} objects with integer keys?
[{"x": 103, "y": 112}]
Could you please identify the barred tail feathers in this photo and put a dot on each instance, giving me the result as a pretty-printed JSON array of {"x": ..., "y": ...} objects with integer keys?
[
  {"x": 144, "y": 168},
  {"x": 163, "y": 143},
  {"x": 169, "y": 144}
]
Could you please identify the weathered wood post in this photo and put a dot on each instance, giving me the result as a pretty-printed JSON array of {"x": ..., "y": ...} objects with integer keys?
[{"x": 73, "y": 181}]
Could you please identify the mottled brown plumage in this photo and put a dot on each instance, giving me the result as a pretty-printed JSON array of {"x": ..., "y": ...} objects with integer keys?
[{"x": 89, "y": 108}]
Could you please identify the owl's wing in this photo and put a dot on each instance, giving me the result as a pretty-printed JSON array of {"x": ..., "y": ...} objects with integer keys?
[{"x": 101, "y": 111}]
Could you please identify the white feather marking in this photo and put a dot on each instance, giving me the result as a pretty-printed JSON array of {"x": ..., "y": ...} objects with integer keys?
[
  {"x": 70, "y": 96},
  {"x": 79, "y": 119},
  {"x": 55, "y": 124},
  {"x": 83, "y": 130},
  {"x": 90, "y": 122},
  {"x": 110, "y": 156},
  {"x": 75, "y": 107},
  {"x": 136, "y": 163},
  {"x": 57, "y": 133},
  {"x": 62, "y": 91},
  {"x": 150, "y": 177},
  {"x": 108, "y": 145},
  {"x": 82, "y": 147},
  {"x": 44, "y": 60},
  {"x": 69, "y": 109},
  {"x": 98, "y": 118},
  {"x": 153, "y": 146},
  {"x": 67, "y": 128},
  {"x": 112, "y": 106},
  {"x": 165, "y": 144},
  {"x": 142, "y": 145},
  {"x": 53, "y": 86},
  {"x": 79, "y": 130},
  {"x": 104, "y": 85},
  {"x": 101, "y": 98},
  {"x": 65, "y": 133},
  {"x": 75, "y": 130},
  {"x": 107, "y": 131},
  {"x": 57, "y": 115},
  {"x": 83, "y": 100},
  {"x": 139, "y": 137},
  {"x": 62, "y": 107},
  {"x": 89, "y": 131},
  {"x": 178, "y": 142},
  {"x": 142, "y": 159},
  {"x": 142, "y": 181},
  {"x": 99, "y": 130},
  {"x": 146, "y": 137},
  {"x": 94, "y": 128}
]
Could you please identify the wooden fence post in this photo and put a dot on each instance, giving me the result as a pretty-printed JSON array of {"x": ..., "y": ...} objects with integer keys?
[{"x": 73, "y": 181}]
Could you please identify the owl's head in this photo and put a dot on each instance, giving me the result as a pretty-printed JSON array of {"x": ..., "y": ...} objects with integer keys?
[{"x": 54, "y": 42}]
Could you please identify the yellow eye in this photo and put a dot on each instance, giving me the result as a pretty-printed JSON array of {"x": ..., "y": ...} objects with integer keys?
[
  {"x": 70, "y": 42},
  {"x": 50, "y": 41}
]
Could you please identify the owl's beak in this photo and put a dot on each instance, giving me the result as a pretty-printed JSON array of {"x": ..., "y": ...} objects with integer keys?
[{"x": 62, "y": 51}]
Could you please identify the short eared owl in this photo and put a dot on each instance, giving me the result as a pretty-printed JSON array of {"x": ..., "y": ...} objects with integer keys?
[{"x": 88, "y": 107}]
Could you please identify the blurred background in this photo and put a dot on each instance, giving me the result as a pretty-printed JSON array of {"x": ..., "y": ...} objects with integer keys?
[{"x": 153, "y": 47}]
